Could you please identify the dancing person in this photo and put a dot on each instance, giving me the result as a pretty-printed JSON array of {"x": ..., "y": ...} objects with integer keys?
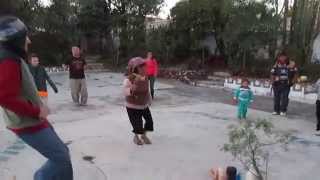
[
  {"x": 78, "y": 84},
  {"x": 41, "y": 78},
  {"x": 138, "y": 100},
  {"x": 24, "y": 113}
]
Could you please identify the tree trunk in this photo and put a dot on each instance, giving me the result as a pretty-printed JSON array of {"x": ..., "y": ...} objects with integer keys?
[
  {"x": 244, "y": 60},
  {"x": 311, "y": 35},
  {"x": 285, "y": 23},
  {"x": 293, "y": 22}
]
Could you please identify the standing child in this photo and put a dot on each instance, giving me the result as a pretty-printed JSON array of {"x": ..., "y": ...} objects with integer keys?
[
  {"x": 244, "y": 96},
  {"x": 138, "y": 100},
  {"x": 41, "y": 78},
  {"x": 318, "y": 107}
]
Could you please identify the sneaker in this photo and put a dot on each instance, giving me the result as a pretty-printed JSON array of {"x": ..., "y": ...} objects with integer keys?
[
  {"x": 146, "y": 140},
  {"x": 283, "y": 114},
  {"x": 317, "y": 133},
  {"x": 137, "y": 140},
  {"x": 275, "y": 113}
]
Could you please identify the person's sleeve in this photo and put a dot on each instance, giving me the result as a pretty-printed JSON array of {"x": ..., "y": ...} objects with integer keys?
[
  {"x": 10, "y": 86},
  {"x": 273, "y": 71},
  {"x": 53, "y": 86},
  {"x": 126, "y": 88}
]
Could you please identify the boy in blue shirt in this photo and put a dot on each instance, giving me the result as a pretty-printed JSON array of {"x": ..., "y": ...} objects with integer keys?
[{"x": 244, "y": 96}]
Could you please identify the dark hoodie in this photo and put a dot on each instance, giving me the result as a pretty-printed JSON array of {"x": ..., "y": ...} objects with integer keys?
[{"x": 41, "y": 77}]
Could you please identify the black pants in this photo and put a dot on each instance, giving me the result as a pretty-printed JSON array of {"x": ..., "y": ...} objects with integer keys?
[
  {"x": 318, "y": 115},
  {"x": 281, "y": 97},
  {"x": 152, "y": 80},
  {"x": 135, "y": 117}
]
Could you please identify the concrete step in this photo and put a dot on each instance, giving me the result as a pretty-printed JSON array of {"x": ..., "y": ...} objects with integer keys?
[
  {"x": 216, "y": 78},
  {"x": 210, "y": 84}
]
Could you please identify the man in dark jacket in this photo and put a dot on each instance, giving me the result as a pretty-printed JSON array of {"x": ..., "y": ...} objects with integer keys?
[
  {"x": 41, "y": 78},
  {"x": 282, "y": 80},
  {"x": 24, "y": 113}
]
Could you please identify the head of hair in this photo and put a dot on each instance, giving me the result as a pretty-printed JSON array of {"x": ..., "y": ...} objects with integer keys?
[
  {"x": 282, "y": 54},
  {"x": 32, "y": 55},
  {"x": 245, "y": 80},
  {"x": 231, "y": 173}
]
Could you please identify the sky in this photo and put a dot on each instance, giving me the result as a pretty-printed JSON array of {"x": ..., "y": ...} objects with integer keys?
[
  {"x": 166, "y": 9},
  {"x": 164, "y": 12}
]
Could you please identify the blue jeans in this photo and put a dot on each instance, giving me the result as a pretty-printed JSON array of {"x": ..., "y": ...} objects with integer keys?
[{"x": 47, "y": 143}]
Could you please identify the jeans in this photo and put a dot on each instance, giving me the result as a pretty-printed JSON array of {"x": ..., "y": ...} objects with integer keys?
[
  {"x": 152, "y": 80},
  {"x": 135, "y": 117},
  {"x": 47, "y": 143},
  {"x": 281, "y": 97}
]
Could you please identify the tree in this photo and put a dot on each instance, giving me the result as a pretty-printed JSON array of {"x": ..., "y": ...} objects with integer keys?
[
  {"x": 249, "y": 142},
  {"x": 305, "y": 23},
  {"x": 129, "y": 22},
  {"x": 194, "y": 20},
  {"x": 250, "y": 26},
  {"x": 94, "y": 18}
]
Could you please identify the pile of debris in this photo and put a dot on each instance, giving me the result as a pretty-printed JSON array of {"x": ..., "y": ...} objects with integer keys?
[{"x": 186, "y": 76}]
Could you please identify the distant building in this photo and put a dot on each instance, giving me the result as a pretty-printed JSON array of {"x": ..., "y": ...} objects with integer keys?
[{"x": 155, "y": 23}]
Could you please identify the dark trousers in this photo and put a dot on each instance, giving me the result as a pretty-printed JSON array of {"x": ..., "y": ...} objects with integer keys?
[
  {"x": 152, "y": 80},
  {"x": 135, "y": 117},
  {"x": 318, "y": 115},
  {"x": 281, "y": 97}
]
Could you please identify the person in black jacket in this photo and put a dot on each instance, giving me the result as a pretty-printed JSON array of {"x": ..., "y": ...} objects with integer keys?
[
  {"x": 282, "y": 77},
  {"x": 41, "y": 78}
]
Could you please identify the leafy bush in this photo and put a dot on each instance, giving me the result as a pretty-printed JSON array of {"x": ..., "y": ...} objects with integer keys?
[{"x": 248, "y": 143}]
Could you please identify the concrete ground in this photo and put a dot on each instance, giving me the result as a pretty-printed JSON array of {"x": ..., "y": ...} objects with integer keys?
[{"x": 191, "y": 126}]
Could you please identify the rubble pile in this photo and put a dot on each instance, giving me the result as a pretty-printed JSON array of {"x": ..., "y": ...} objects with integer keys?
[{"x": 186, "y": 76}]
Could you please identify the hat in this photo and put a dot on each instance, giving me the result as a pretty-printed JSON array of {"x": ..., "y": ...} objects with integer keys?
[
  {"x": 135, "y": 62},
  {"x": 11, "y": 29},
  {"x": 13, "y": 34}
]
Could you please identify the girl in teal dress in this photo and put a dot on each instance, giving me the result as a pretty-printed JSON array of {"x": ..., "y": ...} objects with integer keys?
[{"x": 244, "y": 96}]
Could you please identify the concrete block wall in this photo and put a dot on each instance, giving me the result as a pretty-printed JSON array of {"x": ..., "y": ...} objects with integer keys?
[{"x": 263, "y": 87}]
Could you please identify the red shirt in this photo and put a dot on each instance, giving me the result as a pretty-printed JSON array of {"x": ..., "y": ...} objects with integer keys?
[
  {"x": 10, "y": 87},
  {"x": 152, "y": 67}
]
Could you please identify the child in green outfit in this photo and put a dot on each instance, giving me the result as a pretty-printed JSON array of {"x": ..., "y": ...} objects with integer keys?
[{"x": 244, "y": 96}]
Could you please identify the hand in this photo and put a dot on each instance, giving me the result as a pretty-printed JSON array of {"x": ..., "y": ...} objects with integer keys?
[
  {"x": 131, "y": 77},
  {"x": 234, "y": 101},
  {"x": 44, "y": 112}
]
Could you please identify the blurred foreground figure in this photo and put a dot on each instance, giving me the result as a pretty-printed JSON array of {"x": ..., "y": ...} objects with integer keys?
[{"x": 24, "y": 112}]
